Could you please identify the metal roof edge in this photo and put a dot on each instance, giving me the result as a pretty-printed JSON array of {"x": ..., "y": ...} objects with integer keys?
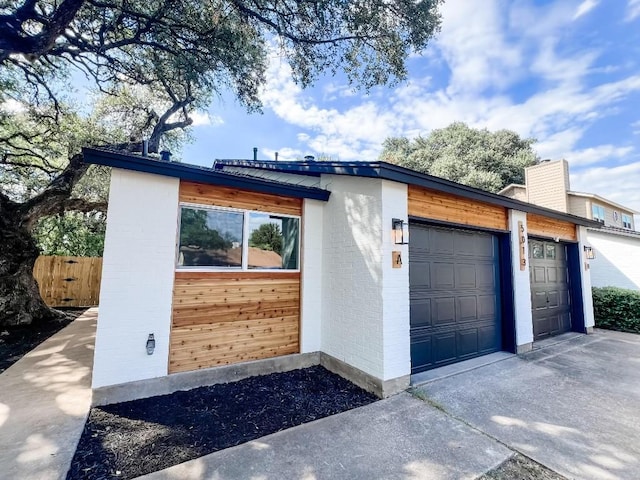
[
  {"x": 400, "y": 174},
  {"x": 197, "y": 173}
]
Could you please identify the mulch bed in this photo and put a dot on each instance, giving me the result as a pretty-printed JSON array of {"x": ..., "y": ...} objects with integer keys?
[
  {"x": 17, "y": 341},
  {"x": 130, "y": 439}
]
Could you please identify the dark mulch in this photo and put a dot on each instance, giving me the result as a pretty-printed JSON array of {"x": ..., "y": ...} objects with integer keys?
[
  {"x": 520, "y": 467},
  {"x": 134, "y": 438},
  {"x": 17, "y": 341}
]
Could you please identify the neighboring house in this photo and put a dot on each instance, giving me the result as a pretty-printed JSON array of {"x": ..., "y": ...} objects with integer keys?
[
  {"x": 616, "y": 244},
  {"x": 184, "y": 273}
]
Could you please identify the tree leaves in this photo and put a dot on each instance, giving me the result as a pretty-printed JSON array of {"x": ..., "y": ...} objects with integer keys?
[{"x": 479, "y": 158}]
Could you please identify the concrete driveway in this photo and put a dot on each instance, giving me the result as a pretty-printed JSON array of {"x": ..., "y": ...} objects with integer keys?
[{"x": 573, "y": 406}]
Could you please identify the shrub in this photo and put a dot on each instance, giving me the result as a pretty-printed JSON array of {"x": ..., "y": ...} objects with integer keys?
[{"x": 617, "y": 309}]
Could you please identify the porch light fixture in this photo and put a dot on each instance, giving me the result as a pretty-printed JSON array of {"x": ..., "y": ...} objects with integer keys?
[
  {"x": 151, "y": 344},
  {"x": 400, "y": 231},
  {"x": 589, "y": 253}
]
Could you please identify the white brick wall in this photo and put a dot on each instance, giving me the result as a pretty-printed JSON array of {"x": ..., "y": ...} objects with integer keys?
[
  {"x": 137, "y": 278},
  {"x": 352, "y": 329},
  {"x": 617, "y": 261},
  {"x": 585, "y": 277},
  {"x": 311, "y": 282},
  {"x": 365, "y": 316},
  {"x": 521, "y": 280},
  {"x": 395, "y": 286}
]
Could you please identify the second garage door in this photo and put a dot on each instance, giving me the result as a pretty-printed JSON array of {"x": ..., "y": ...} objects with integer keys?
[
  {"x": 550, "y": 301},
  {"x": 454, "y": 295}
]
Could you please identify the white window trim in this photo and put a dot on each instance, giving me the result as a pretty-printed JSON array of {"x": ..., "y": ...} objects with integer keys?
[
  {"x": 245, "y": 244},
  {"x": 604, "y": 213}
]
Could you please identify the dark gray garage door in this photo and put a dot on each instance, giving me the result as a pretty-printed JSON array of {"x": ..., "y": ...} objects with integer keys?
[
  {"x": 454, "y": 285},
  {"x": 550, "y": 302}
]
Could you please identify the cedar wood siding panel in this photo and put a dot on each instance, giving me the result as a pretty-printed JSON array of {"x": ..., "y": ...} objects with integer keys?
[
  {"x": 445, "y": 207},
  {"x": 220, "y": 318},
  {"x": 539, "y": 226},
  {"x": 199, "y": 193}
]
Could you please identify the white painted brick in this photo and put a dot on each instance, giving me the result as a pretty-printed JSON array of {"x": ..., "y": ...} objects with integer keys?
[
  {"x": 311, "y": 281},
  {"x": 521, "y": 280},
  {"x": 137, "y": 278},
  {"x": 585, "y": 277},
  {"x": 617, "y": 261}
]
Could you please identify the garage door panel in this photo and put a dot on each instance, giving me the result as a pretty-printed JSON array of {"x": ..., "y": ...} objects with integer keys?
[
  {"x": 444, "y": 347},
  {"x": 444, "y": 311},
  {"x": 539, "y": 275},
  {"x": 441, "y": 242},
  {"x": 420, "y": 313},
  {"x": 467, "y": 342},
  {"x": 420, "y": 274},
  {"x": 421, "y": 351},
  {"x": 421, "y": 239},
  {"x": 463, "y": 319},
  {"x": 488, "y": 335},
  {"x": 539, "y": 300},
  {"x": 467, "y": 308},
  {"x": 550, "y": 298},
  {"x": 487, "y": 306},
  {"x": 443, "y": 276},
  {"x": 465, "y": 276}
]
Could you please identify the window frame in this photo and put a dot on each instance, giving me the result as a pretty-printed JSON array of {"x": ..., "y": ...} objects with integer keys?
[
  {"x": 595, "y": 206},
  {"x": 624, "y": 216},
  {"x": 244, "y": 267}
]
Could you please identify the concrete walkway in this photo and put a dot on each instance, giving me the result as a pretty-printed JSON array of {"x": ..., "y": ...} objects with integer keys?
[
  {"x": 573, "y": 406},
  {"x": 397, "y": 438},
  {"x": 44, "y": 401}
]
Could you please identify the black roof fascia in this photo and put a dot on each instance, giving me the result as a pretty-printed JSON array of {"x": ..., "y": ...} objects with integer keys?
[
  {"x": 199, "y": 174},
  {"x": 400, "y": 174}
]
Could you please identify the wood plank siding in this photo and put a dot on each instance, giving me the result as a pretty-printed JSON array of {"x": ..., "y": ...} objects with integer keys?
[
  {"x": 220, "y": 318},
  {"x": 540, "y": 226},
  {"x": 69, "y": 281},
  {"x": 199, "y": 193},
  {"x": 445, "y": 207}
]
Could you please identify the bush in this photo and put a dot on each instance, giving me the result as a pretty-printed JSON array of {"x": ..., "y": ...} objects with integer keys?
[{"x": 617, "y": 309}]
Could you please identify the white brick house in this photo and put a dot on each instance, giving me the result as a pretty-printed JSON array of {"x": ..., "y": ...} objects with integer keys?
[{"x": 187, "y": 297}]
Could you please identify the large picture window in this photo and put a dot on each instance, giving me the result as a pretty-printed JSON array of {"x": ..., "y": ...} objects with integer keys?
[{"x": 235, "y": 239}]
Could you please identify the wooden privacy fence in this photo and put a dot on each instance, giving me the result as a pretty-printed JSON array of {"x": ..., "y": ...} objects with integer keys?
[{"x": 69, "y": 281}]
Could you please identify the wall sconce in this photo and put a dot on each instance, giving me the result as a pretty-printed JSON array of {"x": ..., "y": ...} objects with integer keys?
[
  {"x": 400, "y": 231},
  {"x": 151, "y": 344},
  {"x": 589, "y": 253}
]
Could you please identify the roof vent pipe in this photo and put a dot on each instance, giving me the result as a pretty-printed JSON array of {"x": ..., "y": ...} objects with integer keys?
[
  {"x": 145, "y": 148},
  {"x": 276, "y": 156},
  {"x": 165, "y": 155},
  {"x": 255, "y": 153},
  {"x": 309, "y": 158}
]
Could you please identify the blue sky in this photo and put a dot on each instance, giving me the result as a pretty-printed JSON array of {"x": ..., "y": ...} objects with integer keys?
[{"x": 566, "y": 72}]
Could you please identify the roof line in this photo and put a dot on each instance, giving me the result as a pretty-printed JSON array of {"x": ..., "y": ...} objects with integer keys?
[
  {"x": 602, "y": 199},
  {"x": 196, "y": 173},
  {"x": 388, "y": 171}
]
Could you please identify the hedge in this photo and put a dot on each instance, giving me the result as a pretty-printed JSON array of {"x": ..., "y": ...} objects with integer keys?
[{"x": 617, "y": 309}]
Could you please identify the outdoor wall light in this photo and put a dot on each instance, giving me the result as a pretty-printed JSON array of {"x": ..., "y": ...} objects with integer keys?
[
  {"x": 400, "y": 231},
  {"x": 151, "y": 344},
  {"x": 589, "y": 253}
]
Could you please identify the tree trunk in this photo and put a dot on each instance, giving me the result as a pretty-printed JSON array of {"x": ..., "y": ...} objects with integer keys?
[{"x": 20, "y": 300}]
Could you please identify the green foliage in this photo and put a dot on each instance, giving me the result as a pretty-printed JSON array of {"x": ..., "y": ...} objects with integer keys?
[
  {"x": 71, "y": 234},
  {"x": 617, "y": 309},
  {"x": 195, "y": 232},
  {"x": 267, "y": 237},
  {"x": 479, "y": 158}
]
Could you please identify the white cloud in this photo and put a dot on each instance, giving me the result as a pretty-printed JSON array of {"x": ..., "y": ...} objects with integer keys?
[
  {"x": 599, "y": 154},
  {"x": 585, "y": 7},
  {"x": 201, "y": 119},
  {"x": 284, "y": 153},
  {"x": 611, "y": 183},
  {"x": 633, "y": 10},
  {"x": 635, "y": 126},
  {"x": 487, "y": 51}
]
